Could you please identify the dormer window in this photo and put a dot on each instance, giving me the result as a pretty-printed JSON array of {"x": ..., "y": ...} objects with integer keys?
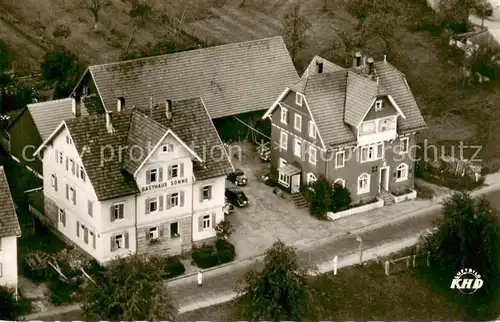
[
  {"x": 378, "y": 105},
  {"x": 167, "y": 148},
  {"x": 298, "y": 99}
]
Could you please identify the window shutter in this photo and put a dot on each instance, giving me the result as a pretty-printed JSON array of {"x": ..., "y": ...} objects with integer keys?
[
  {"x": 77, "y": 171},
  {"x": 212, "y": 224},
  {"x": 64, "y": 218},
  {"x": 146, "y": 231},
  {"x": 73, "y": 167},
  {"x": 169, "y": 172},
  {"x": 126, "y": 240},
  {"x": 83, "y": 175},
  {"x": 67, "y": 192},
  {"x": 394, "y": 174},
  {"x": 112, "y": 243},
  {"x": 55, "y": 183},
  {"x": 67, "y": 164},
  {"x": 121, "y": 210},
  {"x": 169, "y": 204},
  {"x": 200, "y": 223},
  {"x": 77, "y": 229},
  {"x": 148, "y": 177},
  {"x": 160, "y": 174},
  {"x": 160, "y": 231},
  {"x": 57, "y": 155},
  {"x": 201, "y": 194},
  {"x": 209, "y": 192},
  {"x": 147, "y": 206},
  {"x": 181, "y": 170},
  {"x": 182, "y": 199},
  {"x": 288, "y": 117},
  {"x": 93, "y": 240},
  {"x": 112, "y": 213},
  {"x": 160, "y": 202},
  {"x": 86, "y": 235},
  {"x": 90, "y": 208},
  {"x": 74, "y": 196}
]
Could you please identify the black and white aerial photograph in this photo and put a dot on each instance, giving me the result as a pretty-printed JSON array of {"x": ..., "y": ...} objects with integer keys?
[{"x": 249, "y": 160}]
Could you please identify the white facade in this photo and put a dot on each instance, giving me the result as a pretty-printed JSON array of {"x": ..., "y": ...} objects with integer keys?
[
  {"x": 170, "y": 197},
  {"x": 8, "y": 261}
]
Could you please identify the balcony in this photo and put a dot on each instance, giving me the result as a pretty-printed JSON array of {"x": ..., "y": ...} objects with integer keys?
[{"x": 378, "y": 130}]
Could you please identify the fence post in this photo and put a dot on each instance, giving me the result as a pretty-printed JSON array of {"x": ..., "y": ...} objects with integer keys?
[
  {"x": 414, "y": 260},
  {"x": 428, "y": 259},
  {"x": 386, "y": 268},
  {"x": 335, "y": 260}
]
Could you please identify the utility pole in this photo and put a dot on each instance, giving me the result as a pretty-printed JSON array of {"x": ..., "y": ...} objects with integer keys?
[{"x": 360, "y": 240}]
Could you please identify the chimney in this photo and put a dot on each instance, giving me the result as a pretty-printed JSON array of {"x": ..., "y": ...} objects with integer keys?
[
  {"x": 357, "y": 59},
  {"x": 370, "y": 66},
  {"x": 120, "y": 104},
  {"x": 168, "y": 109},
  {"x": 109, "y": 123},
  {"x": 76, "y": 106},
  {"x": 319, "y": 65}
]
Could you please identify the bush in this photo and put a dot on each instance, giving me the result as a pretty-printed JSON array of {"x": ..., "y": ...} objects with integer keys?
[
  {"x": 205, "y": 256},
  {"x": 271, "y": 182},
  {"x": 341, "y": 198},
  {"x": 8, "y": 309},
  {"x": 424, "y": 192},
  {"x": 173, "y": 268},
  {"x": 224, "y": 229},
  {"x": 321, "y": 198},
  {"x": 225, "y": 251},
  {"x": 61, "y": 292}
]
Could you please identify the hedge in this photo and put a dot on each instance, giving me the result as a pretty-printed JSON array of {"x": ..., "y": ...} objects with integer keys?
[
  {"x": 173, "y": 268},
  {"x": 209, "y": 256},
  {"x": 225, "y": 251}
]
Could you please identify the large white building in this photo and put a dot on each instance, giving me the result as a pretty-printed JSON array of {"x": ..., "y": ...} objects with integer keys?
[
  {"x": 9, "y": 232},
  {"x": 147, "y": 181}
]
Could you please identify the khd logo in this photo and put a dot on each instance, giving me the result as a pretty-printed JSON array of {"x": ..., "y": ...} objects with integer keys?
[{"x": 467, "y": 281}]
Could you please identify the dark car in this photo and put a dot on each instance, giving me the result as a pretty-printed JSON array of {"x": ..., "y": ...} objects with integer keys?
[
  {"x": 236, "y": 197},
  {"x": 238, "y": 178},
  {"x": 264, "y": 151}
]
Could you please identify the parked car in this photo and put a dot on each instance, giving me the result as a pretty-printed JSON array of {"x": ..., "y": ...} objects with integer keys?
[
  {"x": 236, "y": 197},
  {"x": 264, "y": 151},
  {"x": 238, "y": 178}
]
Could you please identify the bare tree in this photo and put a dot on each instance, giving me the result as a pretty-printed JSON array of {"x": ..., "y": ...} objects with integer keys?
[
  {"x": 242, "y": 3},
  {"x": 294, "y": 28},
  {"x": 381, "y": 26},
  {"x": 95, "y": 7},
  {"x": 349, "y": 40}
]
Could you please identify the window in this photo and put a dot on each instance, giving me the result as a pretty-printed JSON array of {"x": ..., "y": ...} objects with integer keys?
[
  {"x": 282, "y": 163},
  {"x": 153, "y": 204},
  {"x": 312, "y": 129},
  {"x": 92, "y": 235},
  {"x": 174, "y": 171},
  {"x": 54, "y": 182},
  {"x": 283, "y": 141},
  {"x": 168, "y": 148},
  {"x": 403, "y": 145},
  {"x": 82, "y": 173},
  {"x": 386, "y": 124},
  {"x": 284, "y": 179},
  {"x": 339, "y": 159},
  {"x": 153, "y": 233},
  {"x": 85, "y": 234},
  {"x": 72, "y": 165},
  {"x": 372, "y": 152},
  {"x": 90, "y": 208},
  {"x": 368, "y": 127},
  {"x": 284, "y": 115},
  {"x": 363, "y": 183},
  {"x": 118, "y": 211},
  {"x": 0, "y": 243},
  {"x": 73, "y": 194},
  {"x": 297, "y": 147},
  {"x": 298, "y": 99},
  {"x": 119, "y": 241},
  {"x": 339, "y": 182},
  {"x": 206, "y": 222},
  {"x": 153, "y": 175},
  {"x": 61, "y": 158},
  {"x": 68, "y": 140},
  {"x": 312, "y": 155},
  {"x": 311, "y": 178},
  {"x": 402, "y": 172},
  {"x": 378, "y": 105},
  {"x": 174, "y": 230},
  {"x": 62, "y": 217},
  {"x": 207, "y": 192},
  {"x": 174, "y": 199},
  {"x": 297, "y": 124}
]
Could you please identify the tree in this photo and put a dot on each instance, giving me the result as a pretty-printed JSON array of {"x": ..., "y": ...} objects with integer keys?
[
  {"x": 456, "y": 13},
  {"x": 131, "y": 289},
  {"x": 341, "y": 198},
  {"x": 141, "y": 10},
  {"x": 468, "y": 236},
  {"x": 321, "y": 198},
  {"x": 95, "y": 7},
  {"x": 5, "y": 57},
  {"x": 294, "y": 28},
  {"x": 59, "y": 65},
  {"x": 381, "y": 25},
  {"x": 8, "y": 307},
  {"x": 350, "y": 40},
  {"x": 278, "y": 292}
]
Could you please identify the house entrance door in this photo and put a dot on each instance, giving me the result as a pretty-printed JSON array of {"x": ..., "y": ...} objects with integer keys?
[
  {"x": 384, "y": 179},
  {"x": 295, "y": 183}
]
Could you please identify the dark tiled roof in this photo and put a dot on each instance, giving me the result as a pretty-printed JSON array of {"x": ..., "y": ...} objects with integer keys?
[
  {"x": 92, "y": 103},
  {"x": 112, "y": 179},
  {"x": 339, "y": 98},
  {"x": 232, "y": 79},
  {"x": 9, "y": 224}
]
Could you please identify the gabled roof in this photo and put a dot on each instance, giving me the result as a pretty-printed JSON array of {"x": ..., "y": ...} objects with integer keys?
[
  {"x": 328, "y": 67},
  {"x": 9, "y": 224},
  {"x": 232, "y": 79},
  {"x": 48, "y": 115},
  {"x": 339, "y": 100},
  {"x": 110, "y": 174}
]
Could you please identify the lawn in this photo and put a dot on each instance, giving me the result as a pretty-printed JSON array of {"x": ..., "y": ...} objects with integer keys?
[{"x": 363, "y": 293}]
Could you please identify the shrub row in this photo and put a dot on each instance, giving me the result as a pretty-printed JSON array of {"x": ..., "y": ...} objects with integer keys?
[{"x": 209, "y": 256}]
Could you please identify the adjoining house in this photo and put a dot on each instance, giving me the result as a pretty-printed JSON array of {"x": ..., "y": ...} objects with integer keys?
[
  {"x": 9, "y": 232},
  {"x": 36, "y": 122},
  {"x": 142, "y": 180},
  {"x": 354, "y": 126},
  {"x": 241, "y": 79}
]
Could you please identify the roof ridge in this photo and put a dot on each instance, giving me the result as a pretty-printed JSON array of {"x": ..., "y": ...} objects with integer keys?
[
  {"x": 177, "y": 53},
  {"x": 50, "y": 101}
]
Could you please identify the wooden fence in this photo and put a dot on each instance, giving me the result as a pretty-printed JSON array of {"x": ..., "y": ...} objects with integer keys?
[{"x": 418, "y": 257}]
